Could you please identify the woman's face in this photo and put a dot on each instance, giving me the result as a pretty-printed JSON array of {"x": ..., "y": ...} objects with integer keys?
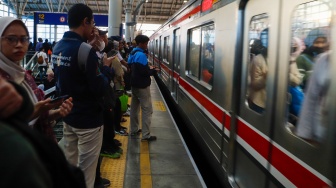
[{"x": 14, "y": 42}]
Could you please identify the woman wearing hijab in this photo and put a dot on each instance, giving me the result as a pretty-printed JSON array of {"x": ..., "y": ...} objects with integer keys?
[
  {"x": 316, "y": 43},
  {"x": 13, "y": 47}
]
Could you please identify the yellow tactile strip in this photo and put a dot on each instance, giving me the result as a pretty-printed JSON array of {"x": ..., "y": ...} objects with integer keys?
[
  {"x": 114, "y": 169},
  {"x": 159, "y": 106},
  {"x": 145, "y": 167}
]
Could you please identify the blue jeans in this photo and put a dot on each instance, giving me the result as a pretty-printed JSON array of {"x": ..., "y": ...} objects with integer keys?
[{"x": 42, "y": 71}]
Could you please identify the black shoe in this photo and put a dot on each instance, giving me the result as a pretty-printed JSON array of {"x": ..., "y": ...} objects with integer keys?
[
  {"x": 117, "y": 142},
  {"x": 105, "y": 182},
  {"x": 102, "y": 183},
  {"x": 137, "y": 132},
  {"x": 150, "y": 138},
  {"x": 122, "y": 132}
]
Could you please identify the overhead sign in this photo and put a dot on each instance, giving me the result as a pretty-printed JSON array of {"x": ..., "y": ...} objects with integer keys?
[{"x": 62, "y": 19}]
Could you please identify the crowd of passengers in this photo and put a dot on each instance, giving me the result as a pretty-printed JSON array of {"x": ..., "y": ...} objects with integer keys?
[
  {"x": 31, "y": 156},
  {"x": 308, "y": 81}
]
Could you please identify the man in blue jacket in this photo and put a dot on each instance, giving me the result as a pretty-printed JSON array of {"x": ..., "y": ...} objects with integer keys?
[
  {"x": 77, "y": 74},
  {"x": 140, "y": 82}
]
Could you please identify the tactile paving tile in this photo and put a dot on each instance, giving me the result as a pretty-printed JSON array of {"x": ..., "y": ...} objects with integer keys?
[
  {"x": 159, "y": 106},
  {"x": 114, "y": 169}
]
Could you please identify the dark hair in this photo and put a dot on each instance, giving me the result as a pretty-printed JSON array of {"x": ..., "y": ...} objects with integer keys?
[
  {"x": 141, "y": 39},
  {"x": 77, "y": 14}
]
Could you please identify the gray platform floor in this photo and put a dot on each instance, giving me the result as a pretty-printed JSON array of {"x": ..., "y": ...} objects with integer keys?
[{"x": 171, "y": 163}]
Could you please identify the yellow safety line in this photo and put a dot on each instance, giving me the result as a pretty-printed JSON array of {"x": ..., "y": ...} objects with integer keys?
[
  {"x": 114, "y": 169},
  {"x": 145, "y": 169}
]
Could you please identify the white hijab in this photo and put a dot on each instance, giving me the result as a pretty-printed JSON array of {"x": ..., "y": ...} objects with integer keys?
[{"x": 16, "y": 72}]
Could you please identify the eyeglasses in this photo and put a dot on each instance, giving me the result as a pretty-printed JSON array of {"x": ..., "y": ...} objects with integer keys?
[
  {"x": 93, "y": 23},
  {"x": 13, "y": 40}
]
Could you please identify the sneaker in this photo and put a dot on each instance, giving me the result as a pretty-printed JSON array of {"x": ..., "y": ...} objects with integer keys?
[
  {"x": 122, "y": 132},
  {"x": 127, "y": 113},
  {"x": 150, "y": 138},
  {"x": 137, "y": 132},
  {"x": 113, "y": 155},
  {"x": 105, "y": 182}
]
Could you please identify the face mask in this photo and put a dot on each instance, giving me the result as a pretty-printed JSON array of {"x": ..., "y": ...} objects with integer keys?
[
  {"x": 317, "y": 50},
  {"x": 101, "y": 45}
]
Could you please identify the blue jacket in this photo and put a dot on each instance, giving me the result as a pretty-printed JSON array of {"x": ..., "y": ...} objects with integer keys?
[
  {"x": 140, "y": 71},
  {"x": 86, "y": 87}
]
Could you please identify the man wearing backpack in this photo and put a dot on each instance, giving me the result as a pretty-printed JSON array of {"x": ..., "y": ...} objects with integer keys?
[
  {"x": 42, "y": 60},
  {"x": 140, "y": 82},
  {"x": 77, "y": 74}
]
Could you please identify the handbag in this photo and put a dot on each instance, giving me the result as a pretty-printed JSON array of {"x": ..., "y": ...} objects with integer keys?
[{"x": 124, "y": 101}]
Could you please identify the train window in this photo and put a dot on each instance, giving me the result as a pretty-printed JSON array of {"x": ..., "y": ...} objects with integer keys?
[
  {"x": 156, "y": 49},
  {"x": 310, "y": 38},
  {"x": 166, "y": 50},
  {"x": 202, "y": 53},
  {"x": 208, "y": 54},
  {"x": 257, "y": 68},
  {"x": 194, "y": 52}
]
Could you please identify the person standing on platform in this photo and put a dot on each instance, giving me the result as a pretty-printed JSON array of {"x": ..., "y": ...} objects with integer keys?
[
  {"x": 39, "y": 44},
  {"x": 78, "y": 75},
  {"x": 140, "y": 83},
  {"x": 43, "y": 67}
]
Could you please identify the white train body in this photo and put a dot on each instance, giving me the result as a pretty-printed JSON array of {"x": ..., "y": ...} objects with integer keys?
[{"x": 204, "y": 52}]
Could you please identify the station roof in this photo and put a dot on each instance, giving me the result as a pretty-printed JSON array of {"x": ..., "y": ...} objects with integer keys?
[{"x": 152, "y": 12}]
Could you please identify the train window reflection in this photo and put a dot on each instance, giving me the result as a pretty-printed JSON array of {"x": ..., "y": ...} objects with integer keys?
[
  {"x": 257, "y": 66},
  {"x": 166, "y": 50},
  {"x": 201, "y": 50},
  {"x": 308, "y": 62},
  {"x": 156, "y": 49}
]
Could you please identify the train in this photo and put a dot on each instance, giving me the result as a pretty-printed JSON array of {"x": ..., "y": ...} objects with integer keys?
[{"x": 205, "y": 53}]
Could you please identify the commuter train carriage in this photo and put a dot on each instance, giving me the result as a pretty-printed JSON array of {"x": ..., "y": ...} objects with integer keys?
[{"x": 230, "y": 68}]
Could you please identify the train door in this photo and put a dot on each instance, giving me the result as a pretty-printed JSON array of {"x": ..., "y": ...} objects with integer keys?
[
  {"x": 254, "y": 123},
  {"x": 303, "y": 151},
  {"x": 176, "y": 63}
]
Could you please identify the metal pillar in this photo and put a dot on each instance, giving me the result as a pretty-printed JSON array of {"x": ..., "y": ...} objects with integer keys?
[
  {"x": 128, "y": 19},
  {"x": 114, "y": 17}
]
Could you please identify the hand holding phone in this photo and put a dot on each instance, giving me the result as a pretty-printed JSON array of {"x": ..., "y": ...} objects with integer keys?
[{"x": 57, "y": 99}]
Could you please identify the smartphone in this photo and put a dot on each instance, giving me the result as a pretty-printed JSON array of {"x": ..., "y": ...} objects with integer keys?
[{"x": 57, "y": 99}]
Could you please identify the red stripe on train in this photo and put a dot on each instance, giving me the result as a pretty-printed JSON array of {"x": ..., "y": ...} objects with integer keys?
[
  {"x": 257, "y": 142},
  {"x": 186, "y": 16},
  {"x": 294, "y": 172},
  {"x": 206, "y": 103},
  {"x": 291, "y": 169}
]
